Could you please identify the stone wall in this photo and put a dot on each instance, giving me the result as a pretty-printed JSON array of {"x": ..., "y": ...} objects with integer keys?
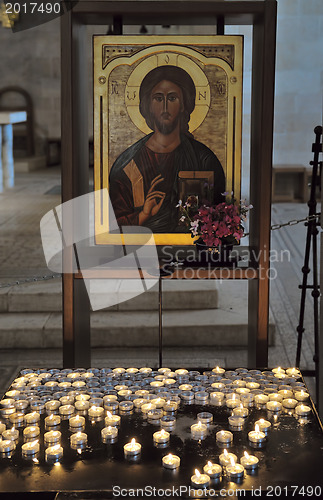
[{"x": 31, "y": 59}]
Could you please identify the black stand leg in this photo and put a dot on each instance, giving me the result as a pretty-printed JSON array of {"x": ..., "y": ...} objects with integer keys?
[
  {"x": 311, "y": 238},
  {"x": 160, "y": 294}
]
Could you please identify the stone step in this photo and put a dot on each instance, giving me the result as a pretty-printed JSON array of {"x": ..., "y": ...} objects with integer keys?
[
  {"x": 190, "y": 328},
  {"x": 46, "y": 296},
  {"x": 225, "y": 326},
  {"x": 29, "y": 163}
]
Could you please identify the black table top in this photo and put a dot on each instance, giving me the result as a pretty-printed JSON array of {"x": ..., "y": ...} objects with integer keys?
[{"x": 291, "y": 459}]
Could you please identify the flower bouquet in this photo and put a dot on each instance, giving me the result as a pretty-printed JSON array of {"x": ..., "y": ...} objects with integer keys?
[{"x": 215, "y": 227}]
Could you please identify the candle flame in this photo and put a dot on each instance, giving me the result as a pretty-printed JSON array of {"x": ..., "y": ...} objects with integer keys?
[
  {"x": 199, "y": 424},
  {"x": 257, "y": 429},
  {"x": 232, "y": 461},
  {"x": 261, "y": 420},
  {"x": 109, "y": 414},
  {"x": 93, "y": 407},
  {"x": 133, "y": 441},
  {"x": 56, "y": 447},
  {"x": 225, "y": 453},
  {"x": 246, "y": 454},
  {"x": 210, "y": 464},
  {"x": 197, "y": 473}
]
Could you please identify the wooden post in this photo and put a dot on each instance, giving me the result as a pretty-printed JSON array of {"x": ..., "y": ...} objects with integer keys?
[
  {"x": 262, "y": 105},
  {"x": 75, "y": 182}
]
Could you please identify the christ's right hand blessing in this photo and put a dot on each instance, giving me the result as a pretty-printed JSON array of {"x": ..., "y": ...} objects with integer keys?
[{"x": 153, "y": 201}]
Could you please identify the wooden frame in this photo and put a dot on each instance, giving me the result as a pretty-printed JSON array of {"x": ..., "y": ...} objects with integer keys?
[{"x": 262, "y": 16}]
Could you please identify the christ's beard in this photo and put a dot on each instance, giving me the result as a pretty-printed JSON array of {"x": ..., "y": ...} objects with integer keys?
[{"x": 166, "y": 128}]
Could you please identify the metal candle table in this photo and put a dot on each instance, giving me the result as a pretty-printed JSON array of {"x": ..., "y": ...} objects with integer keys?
[{"x": 290, "y": 459}]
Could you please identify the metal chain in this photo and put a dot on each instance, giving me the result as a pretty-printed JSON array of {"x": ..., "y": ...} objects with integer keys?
[
  {"x": 292, "y": 222},
  {"x": 30, "y": 280},
  {"x": 274, "y": 227}
]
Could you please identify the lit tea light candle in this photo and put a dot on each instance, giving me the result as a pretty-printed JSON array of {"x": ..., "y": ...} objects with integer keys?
[
  {"x": 240, "y": 411},
  {"x": 7, "y": 446},
  {"x": 132, "y": 371},
  {"x": 289, "y": 403},
  {"x": 78, "y": 440},
  {"x": 86, "y": 397},
  {"x": 146, "y": 407},
  {"x": 52, "y": 421},
  {"x": 274, "y": 406},
  {"x": 76, "y": 422},
  {"x": 156, "y": 383},
  {"x": 303, "y": 410},
  {"x": 32, "y": 418},
  {"x": 236, "y": 422},
  {"x": 139, "y": 402},
  {"x": 53, "y": 453},
  {"x": 109, "y": 434},
  {"x": 146, "y": 370},
  {"x": 170, "y": 406},
  {"x": 52, "y": 437},
  {"x": 252, "y": 385},
  {"x": 161, "y": 437},
  {"x": 52, "y": 406},
  {"x": 31, "y": 432},
  {"x": 12, "y": 394},
  {"x": 64, "y": 385},
  {"x": 233, "y": 402},
  {"x": 78, "y": 384},
  {"x": 278, "y": 370},
  {"x": 158, "y": 402},
  {"x": 249, "y": 462},
  {"x": 96, "y": 412},
  {"x": 2, "y": 427},
  {"x": 7, "y": 403},
  {"x": 293, "y": 372},
  {"x": 132, "y": 449},
  {"x": 112, "y": 420},
  {"x": 264, "y": 425},
  {"x": 242, "y": 390},
  {"x": 257, "y": 436},
  {"x": 66, "y": 410},
  {"x": 199, "y": 480},
  {"x": 66, "y": 400},
  {"x": 119, "y": 370},
  {"x": 199, "y": 430},
  {"x": 224, "y": 437},
  {"x": 168, "y": 382},
  {"x": 234, "y": 471},
  {"x": 124, "y": 393},
  {"x": 12, "y": 434},
  {"x": 261, "y": 399},
  {"x": 17, "y": 419},
  {"x": 171, "y": 461},
  {"x": 214, "y": 471},
  {"x": 185, "y": 387},
  {"x": 82, "y": 406},
  {"x": 31, "y": 448},
  {"x": 302, "y": 396},
  {"x": 286, "y": 393},
  {"x": 218, "y": 370},
  {"x": 181, "y": 371},
  {"x": 21, "y": 405}
]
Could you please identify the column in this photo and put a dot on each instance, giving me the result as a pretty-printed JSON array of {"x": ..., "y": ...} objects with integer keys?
[{"x": 7, "y": 156}]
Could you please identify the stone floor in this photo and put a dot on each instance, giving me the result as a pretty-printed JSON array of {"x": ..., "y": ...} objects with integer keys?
[{"x": 21, "y": 257}]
